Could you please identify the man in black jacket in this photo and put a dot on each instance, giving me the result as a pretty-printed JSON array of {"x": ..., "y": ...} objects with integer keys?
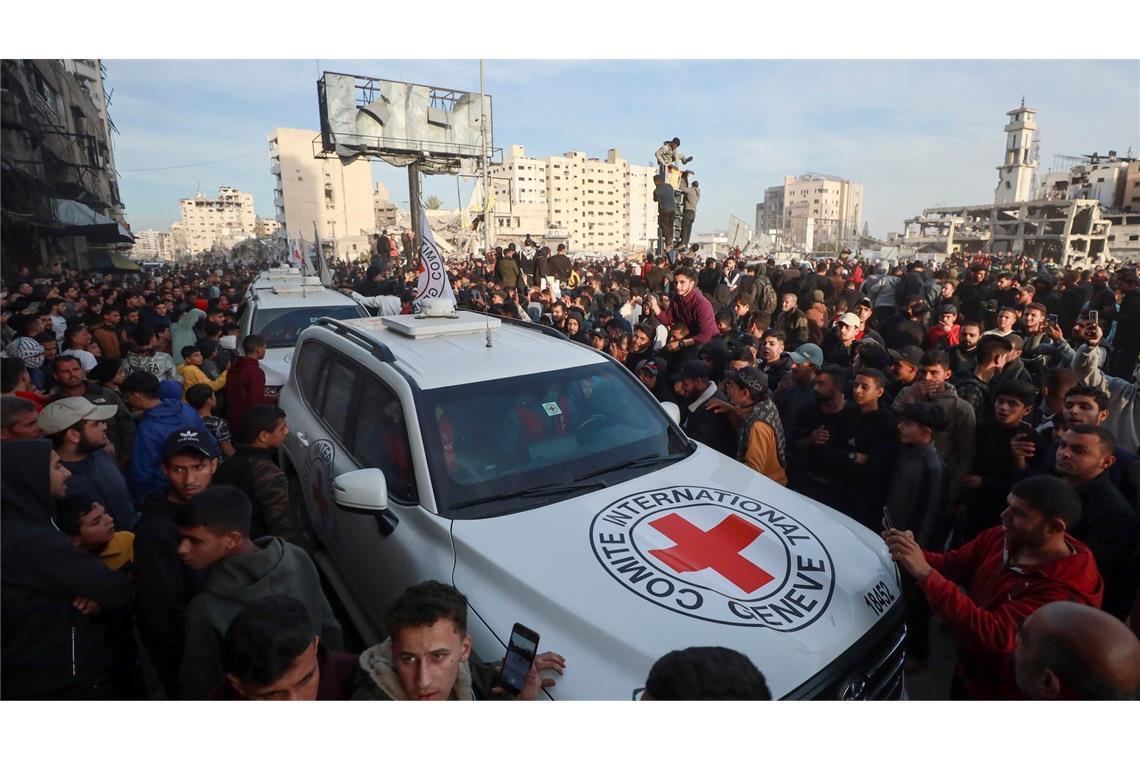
[
  {"x": 821, "y": 438},
  {"x": 916, "y": 501},
  {"x": 874, "y": 447},
  {"x": 701, "y": 423},
  {"x": 52, "y": 595},
  {"x": 163, "y": 584},
  {"x": 1108, "y": 525},
  {"x": 559, "y": 270},
  {"x": 253, "y": 469}
]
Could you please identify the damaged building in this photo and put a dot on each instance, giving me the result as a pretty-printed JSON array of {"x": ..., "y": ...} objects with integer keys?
[
  {"x": 1079, "y": 217},
  {"x": 60, "y": 194},
  {"x": 1068, "y": 232}
]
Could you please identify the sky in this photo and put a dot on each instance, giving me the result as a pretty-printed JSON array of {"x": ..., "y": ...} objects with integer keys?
[{"x": 915, "y": 133}]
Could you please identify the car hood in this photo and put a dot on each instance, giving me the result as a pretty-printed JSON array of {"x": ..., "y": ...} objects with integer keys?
[
  {"x": 702, "y": 552},
  {"x": 276, "y": 365}
]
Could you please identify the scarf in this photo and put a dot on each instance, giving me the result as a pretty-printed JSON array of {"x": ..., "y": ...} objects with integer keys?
[{"x": 763, "y": 411}]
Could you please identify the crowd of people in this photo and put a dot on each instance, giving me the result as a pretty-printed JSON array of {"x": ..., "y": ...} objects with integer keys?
[{"x": 982, "y": 417}]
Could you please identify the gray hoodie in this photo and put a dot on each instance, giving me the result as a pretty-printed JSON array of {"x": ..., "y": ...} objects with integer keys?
[
  {"x": 1123, "y": 395},
  {"x": 278, "y": 568}
]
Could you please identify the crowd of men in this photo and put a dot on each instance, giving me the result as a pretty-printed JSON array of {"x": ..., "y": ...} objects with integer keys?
[{"x": 982, "y": 417}]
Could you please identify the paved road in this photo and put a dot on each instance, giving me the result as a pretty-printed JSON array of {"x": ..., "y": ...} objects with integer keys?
[{"x": 934, "y": 682}]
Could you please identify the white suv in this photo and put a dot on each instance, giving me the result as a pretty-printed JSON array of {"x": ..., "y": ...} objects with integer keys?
[
  {"x": 279, "y": 304},
  {"x": 540, "y": 478}
]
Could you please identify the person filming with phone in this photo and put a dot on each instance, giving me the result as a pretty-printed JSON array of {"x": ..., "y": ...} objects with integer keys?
[
  {"x": 986, "y": 588},
  {"x": 428, "y": 655}
]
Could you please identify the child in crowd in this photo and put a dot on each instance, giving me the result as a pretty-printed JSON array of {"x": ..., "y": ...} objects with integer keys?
[
  {"x": 90, "y": 528},
  {"x": 204, "y": 401},
  {"x": 190, "y": 370}
]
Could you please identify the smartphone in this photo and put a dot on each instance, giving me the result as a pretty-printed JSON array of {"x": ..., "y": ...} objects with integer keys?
[
  {"x": 1053, "y": 318},
  {"x": 1094, "y": 317},
  {"x": 521, "y": 650},
  {"x": 887, "y": 522}
]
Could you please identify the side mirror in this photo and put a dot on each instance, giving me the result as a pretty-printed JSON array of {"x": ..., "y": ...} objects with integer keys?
[
  {"x": 673, "y": 411},
  {"x": 228, "y": 342},
  {"x": 361, "y": 491}
]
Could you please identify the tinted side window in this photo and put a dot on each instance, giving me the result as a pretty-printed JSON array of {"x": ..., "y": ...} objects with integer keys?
[
  {"x": 309, "y": 360},
  {"x": 381, "y": 440},
  {"x": 334, "y": 408}
]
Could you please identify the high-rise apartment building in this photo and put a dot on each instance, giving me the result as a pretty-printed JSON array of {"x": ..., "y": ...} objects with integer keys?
[
  {"x": 333, "y": 195},
  {"x": 221, "y": 221},
  {"x": 833, "y": 205},
  {"x": 601, "y": 205},
  {"x": 152, "y": 245}
]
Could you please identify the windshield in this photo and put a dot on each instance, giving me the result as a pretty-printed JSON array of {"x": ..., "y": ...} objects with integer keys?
[
  {"x": 555, "y": 434},
  {"x": 280, "y": 327}
]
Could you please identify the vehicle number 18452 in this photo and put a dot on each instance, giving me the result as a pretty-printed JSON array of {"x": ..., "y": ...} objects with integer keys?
[{"x": 879, "y": 598}]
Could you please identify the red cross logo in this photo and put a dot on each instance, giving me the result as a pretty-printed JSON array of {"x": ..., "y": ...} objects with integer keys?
[{"x": 718, "y": 548}]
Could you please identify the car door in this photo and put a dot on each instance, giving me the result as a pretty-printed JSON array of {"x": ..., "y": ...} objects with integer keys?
[{"x": 362, "y": 425}]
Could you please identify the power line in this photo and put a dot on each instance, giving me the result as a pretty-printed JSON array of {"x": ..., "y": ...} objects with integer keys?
[{"x": 199, "y": 163}]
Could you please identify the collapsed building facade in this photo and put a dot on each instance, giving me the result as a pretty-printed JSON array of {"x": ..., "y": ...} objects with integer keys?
[{"x": 1067, "y": 232}]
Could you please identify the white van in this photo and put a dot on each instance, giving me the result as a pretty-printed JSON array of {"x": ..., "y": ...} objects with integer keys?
[{"x": 540, "y": 478}]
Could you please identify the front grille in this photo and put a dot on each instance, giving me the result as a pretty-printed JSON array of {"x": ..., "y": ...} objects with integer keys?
[
  {"x": 871, "y": 669},
  {"x": 883, "y": 679}
]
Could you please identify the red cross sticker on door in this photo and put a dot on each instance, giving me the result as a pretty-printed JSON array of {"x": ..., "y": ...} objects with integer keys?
[{"x": 718, "y": 548}]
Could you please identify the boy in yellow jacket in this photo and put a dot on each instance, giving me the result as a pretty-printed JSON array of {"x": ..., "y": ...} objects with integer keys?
[{"x": 190, "y": 370}]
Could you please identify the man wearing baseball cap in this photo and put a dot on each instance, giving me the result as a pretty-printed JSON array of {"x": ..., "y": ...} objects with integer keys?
[
  {"x": 163, "y": 584},
  {"x": 795, "y": 393},
  {"x": 904, "y": 367},
  {"x": 78, "y": 432},
  {"x": 653, "y": 375},
  {"x": 703, "y": 424},
  {"x": 839, "y": 339},
  {"x": 760, "y": 442}
]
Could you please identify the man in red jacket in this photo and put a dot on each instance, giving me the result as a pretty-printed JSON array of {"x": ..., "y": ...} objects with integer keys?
[
  {"x": 1009, "y": 571},
  {"x": 245, "y": 384},
  {"x": 688, "y": 306}
]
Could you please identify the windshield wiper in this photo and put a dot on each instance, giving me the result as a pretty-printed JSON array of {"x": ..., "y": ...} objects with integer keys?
[
  {"x": 550, "y": 490},
  {"x": 639, "y": 462}
]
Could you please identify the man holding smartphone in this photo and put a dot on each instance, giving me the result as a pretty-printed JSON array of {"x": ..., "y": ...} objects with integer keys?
[{"x": 427, "y": 655}]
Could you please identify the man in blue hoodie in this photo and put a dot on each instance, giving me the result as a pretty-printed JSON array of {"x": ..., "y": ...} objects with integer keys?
[{"x": 160, "y": 418}]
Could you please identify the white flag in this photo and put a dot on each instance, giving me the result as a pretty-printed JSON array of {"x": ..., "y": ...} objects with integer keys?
[
  {"x": 433, "y": 282},
  {"x": 308, "y": 270},
  {"x": 294, "y": 253},
  {"x": 326, "y": 276}
]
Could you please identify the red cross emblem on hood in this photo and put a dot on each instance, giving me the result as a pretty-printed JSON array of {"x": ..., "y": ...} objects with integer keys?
[{"x": 718, "y": 548}]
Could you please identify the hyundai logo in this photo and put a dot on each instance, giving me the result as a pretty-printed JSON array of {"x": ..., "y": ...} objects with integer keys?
[{"x": 855, "y": 690}]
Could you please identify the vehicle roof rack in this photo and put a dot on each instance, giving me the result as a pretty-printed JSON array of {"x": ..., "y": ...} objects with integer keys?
[
  {"x": 374, "y": 345},
  {"x": 544, "y": 329}
]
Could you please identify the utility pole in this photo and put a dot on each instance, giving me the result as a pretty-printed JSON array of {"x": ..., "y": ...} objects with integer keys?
[
  {"x": 487, "y": 216},
  {"x": 414, "y": 206}
]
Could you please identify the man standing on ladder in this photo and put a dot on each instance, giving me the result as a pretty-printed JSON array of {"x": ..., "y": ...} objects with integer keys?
[
  {"x": 692, "y": 195},
  {"x": 666, "y": 212}
]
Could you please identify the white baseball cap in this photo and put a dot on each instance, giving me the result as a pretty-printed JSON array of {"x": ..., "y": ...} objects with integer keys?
[{"x": 62, "y": 414}]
